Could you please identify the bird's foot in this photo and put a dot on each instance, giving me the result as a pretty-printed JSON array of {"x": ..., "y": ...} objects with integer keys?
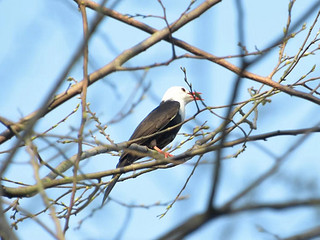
[{"x": 166, "y": 154}]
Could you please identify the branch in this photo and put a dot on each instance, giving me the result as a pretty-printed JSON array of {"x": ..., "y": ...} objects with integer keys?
[
  {"x": 198, "y": 220},
  {"x": 83, "y": 114},
  {"x": 198, "y": 52},
  {"x": 265, "y": 136},
  {"x": 49, "y": 181},
  {"x": 217, "y": 167},
  {"x": 113, "y": 66},
  {"x": 308, "y": 234}
]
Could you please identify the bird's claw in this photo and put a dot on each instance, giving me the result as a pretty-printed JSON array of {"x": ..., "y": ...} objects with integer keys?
[{"x": 166, "y": 154}]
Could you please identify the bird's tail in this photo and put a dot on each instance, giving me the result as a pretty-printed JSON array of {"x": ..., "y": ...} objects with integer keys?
[{"x": 113, "y": 182}]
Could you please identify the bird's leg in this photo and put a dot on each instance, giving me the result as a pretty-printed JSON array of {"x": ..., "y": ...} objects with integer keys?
[{"x": 166, "y": 154}]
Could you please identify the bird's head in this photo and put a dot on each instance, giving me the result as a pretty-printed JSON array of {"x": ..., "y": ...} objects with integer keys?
[{"x": 181, "y": 95}]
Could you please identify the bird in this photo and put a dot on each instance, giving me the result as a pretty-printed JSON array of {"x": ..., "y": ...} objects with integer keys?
[{"x": 169, "y": 113}]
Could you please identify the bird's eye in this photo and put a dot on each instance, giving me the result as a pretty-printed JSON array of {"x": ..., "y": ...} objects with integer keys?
[{"x": 183, "y": 89}]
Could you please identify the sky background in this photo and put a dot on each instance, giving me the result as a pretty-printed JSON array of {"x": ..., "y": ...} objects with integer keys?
[{"x": 40, "y": 37}]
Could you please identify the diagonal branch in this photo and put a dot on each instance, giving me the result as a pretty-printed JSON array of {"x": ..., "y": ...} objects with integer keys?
[
  {"x": 113, "y": 66},
  {"x": 198, "y": 220},
  {"x": 199, "y": 52}
]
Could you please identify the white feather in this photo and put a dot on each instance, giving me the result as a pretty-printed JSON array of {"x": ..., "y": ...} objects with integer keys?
[{"x": 179, "y": 94}]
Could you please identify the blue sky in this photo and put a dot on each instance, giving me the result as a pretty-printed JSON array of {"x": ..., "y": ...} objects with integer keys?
[{"x": 39, "y": 39}]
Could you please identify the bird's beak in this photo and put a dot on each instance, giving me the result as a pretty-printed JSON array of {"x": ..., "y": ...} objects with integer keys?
[{"x": 195, "y": 95}]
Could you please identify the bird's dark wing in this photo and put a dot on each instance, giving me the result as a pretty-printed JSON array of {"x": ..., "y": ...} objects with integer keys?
[
  {"x": 156, "y": 120},
  {"x": 159, "y": 118}
]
